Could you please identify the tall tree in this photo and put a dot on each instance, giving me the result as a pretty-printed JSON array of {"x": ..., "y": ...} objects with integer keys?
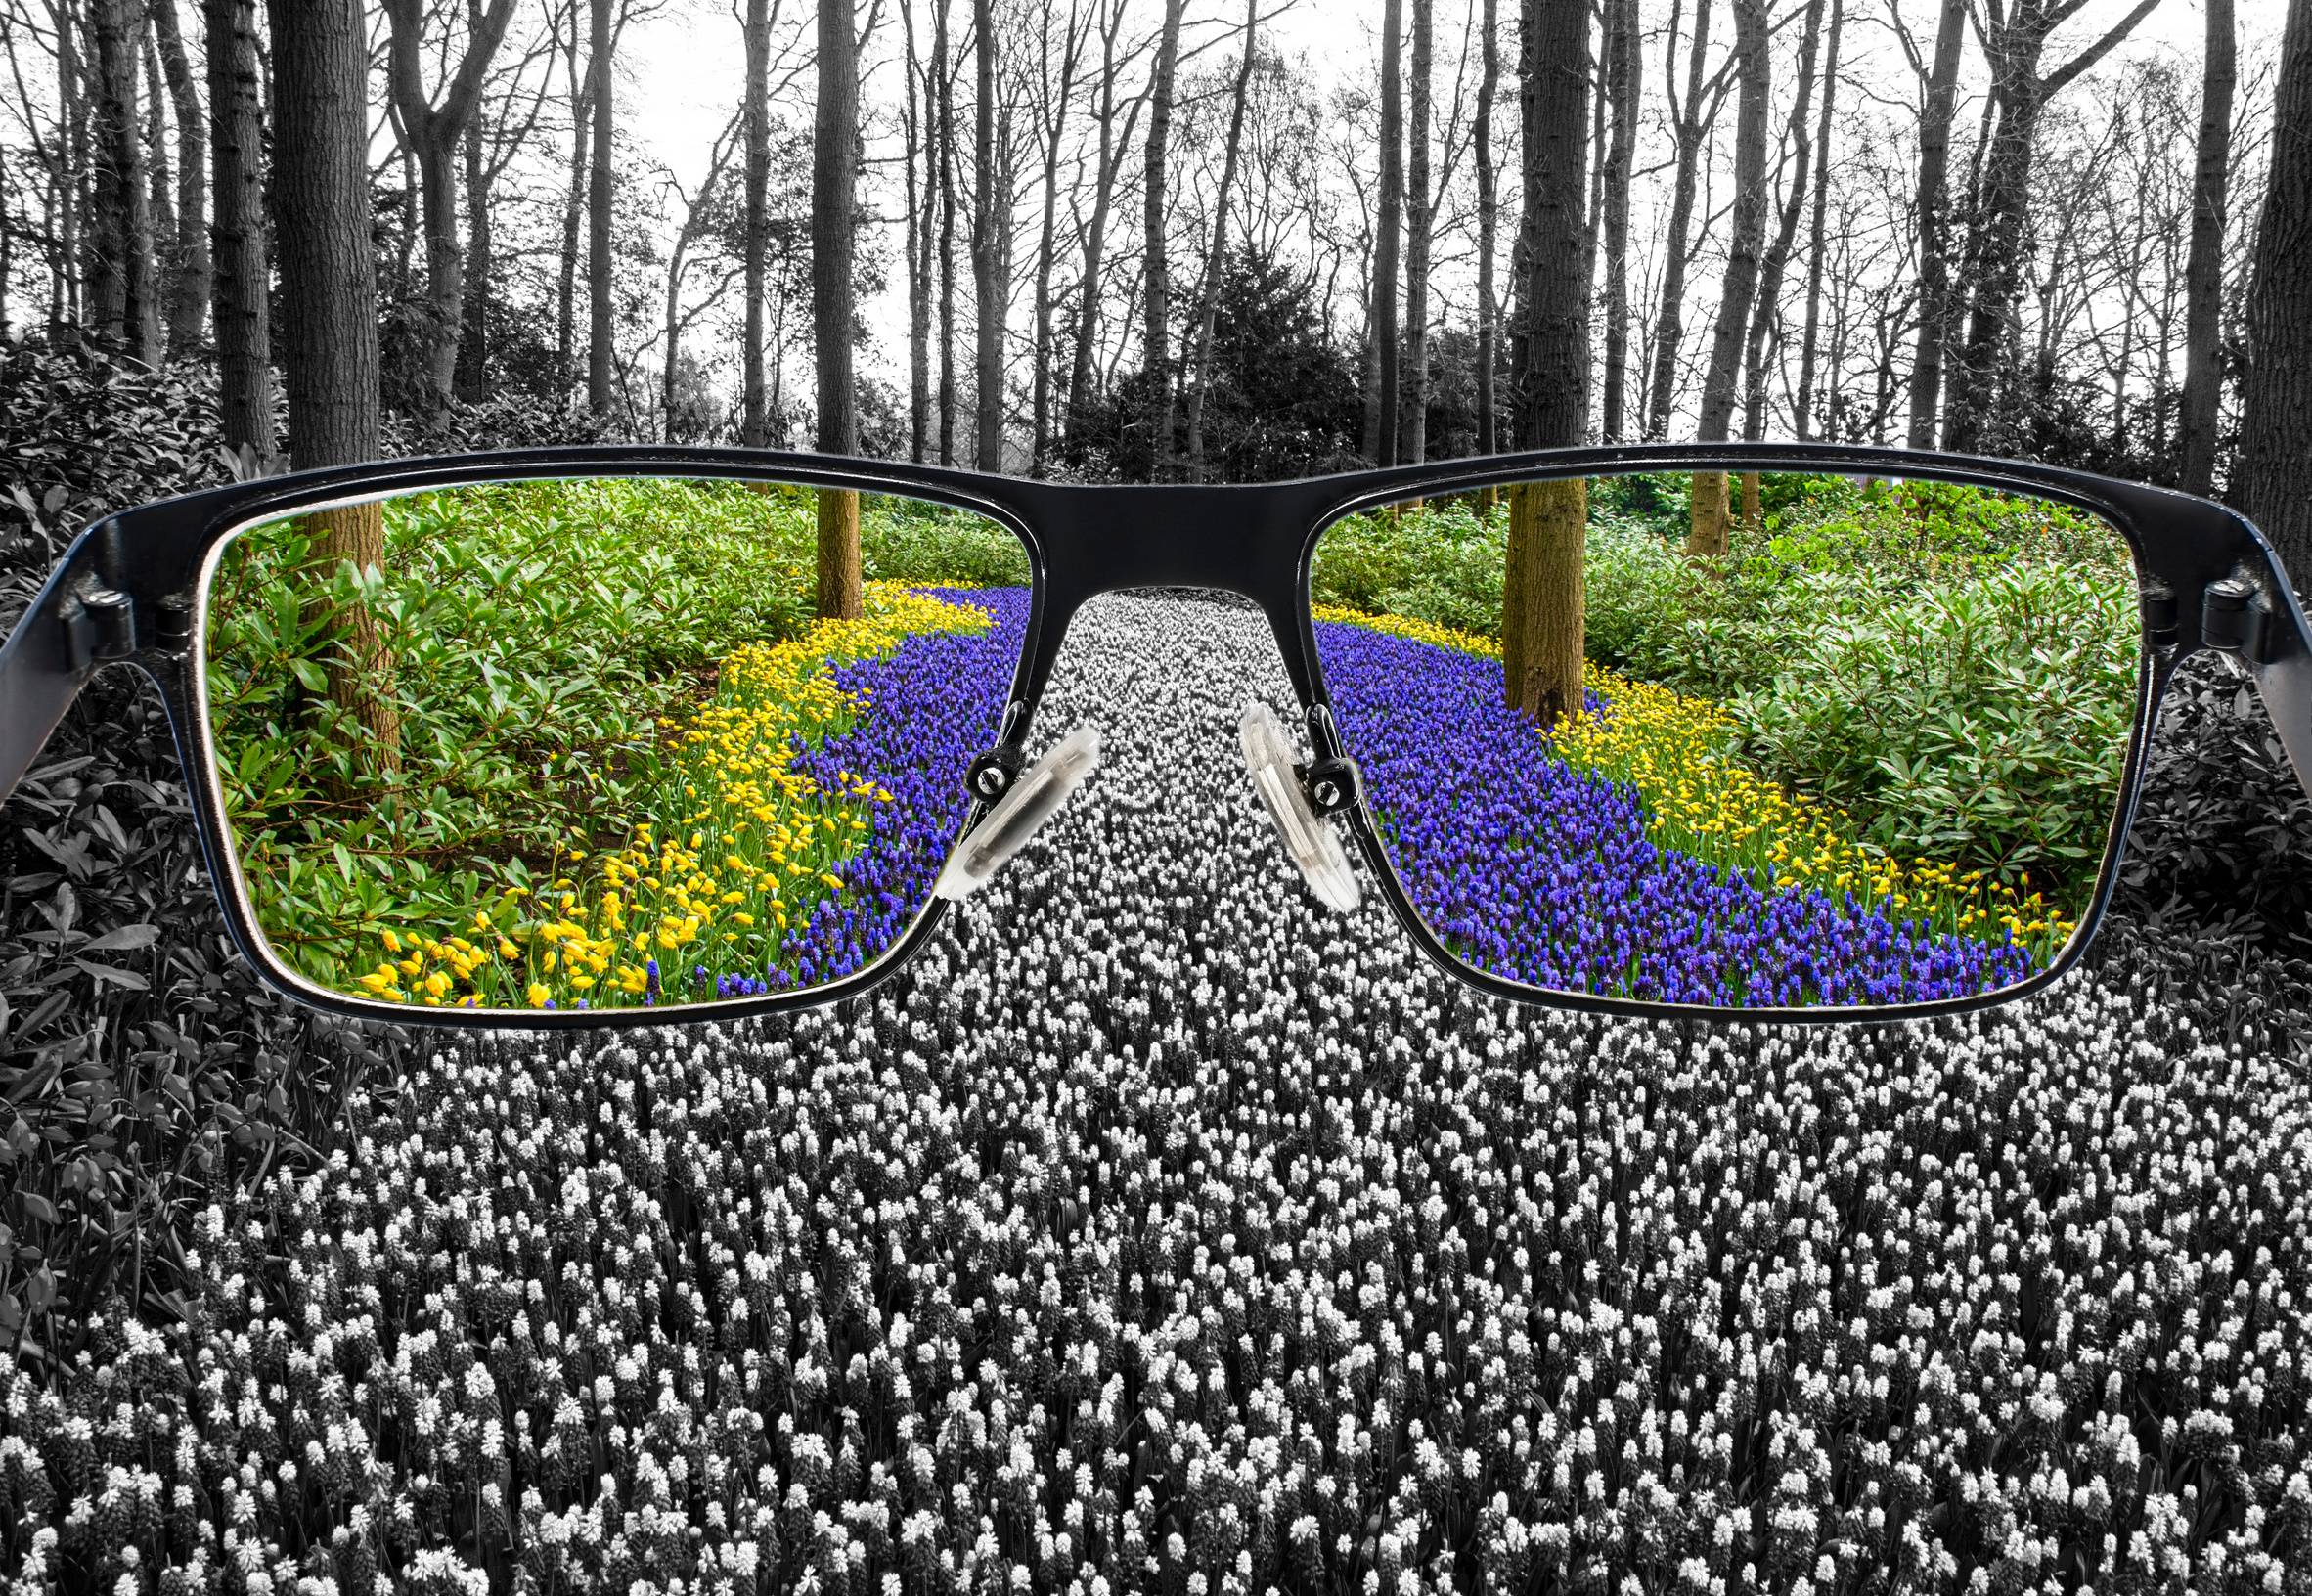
[
  {"x": 1691, "y": 120},
  {"x": 188, "y": 279},
  {"x": 1708, "y": 525},
  {"x": 1489, "y": 221},
  {"x": 1113, "y": 144},
  {"x": 754, "y": 427},
  {"x": 1624, "y": 66},
  {"x": 991, "y": 230},
  {"x": 1942, "y": 84},
  {"x": 1541, "y": 595},
  {"x": 321, "y": 216},
  {"x": 1157, "y": 366},
  {"x": 125, "y": 287},
  {"x": 1208, "y": 295},
  {"x": 2272, "y": 478},
  {"x": 943, "y": 74},
  {"x": 1412, "y": 444},
  {"x": 1386, "y": 350},
  {"x": 1765, "y": 313},
  {"x": 2013, "y": 40},
  {"x": 1816, "y": 251},
  {"x": 2204, "y": 272},
  {"x": 433, "y": 132},
  {"x": 580, "y": 88},
  {"x": 241, "y": 309},
  {"x": 834, "y": 179},
  {"x": 597, "y": 213},
  {"x": 1051, "y": 120}
]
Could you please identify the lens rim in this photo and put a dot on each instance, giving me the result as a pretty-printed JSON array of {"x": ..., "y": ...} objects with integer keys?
[
  {"x": 223, "y": 855},
  {"x": 2155, "y": 670}
]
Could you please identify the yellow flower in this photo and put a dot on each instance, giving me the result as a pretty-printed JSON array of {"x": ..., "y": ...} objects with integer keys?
[
  {"x": 538, "y": 994},
  {"x": 392, "y": 943}
]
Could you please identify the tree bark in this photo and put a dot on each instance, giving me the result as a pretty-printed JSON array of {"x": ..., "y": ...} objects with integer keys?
[
  {"x": 320, "y": 215},
  {"x": 241, "y": 310},
  {"x": 1096, "y": 236},
  {"x": 2272, "y": 478},
  {"x": 754, "y": 427},
  {"x": 1209, "y": 294},
  {"x": 1934, "y": 191},
  {"x": 943, "y": 74},
  {"x": 2203, "y": 270},
  {"x": 1386, "y": 350},
  {"x": 189, "y": 281},
  {"x": 1541, "y": 597},
  {"x": 434, "y": 133},
  {"x": 834, "y": 178},
  {"x": 991, "y": 291},
  {"x": 1708, "y": 528},
  {"x": 1798, "y": 136},
  {"x": 1624, "y": 67},
  {"x": 597, "y": 216},
  {"x": 1669, "y": 324},
  {"x": 124, "y": 290},
  {"x": 1412, "y": 445},
  {"x": 1157, "y": 366},
  {"x": 1489, "y": 222},
  {"x": 1053, "y": 122},
  {"x": 1804, "y": 403},
  {"x": 1997, "y": 245},
  {"x": 573, "y": 204}
]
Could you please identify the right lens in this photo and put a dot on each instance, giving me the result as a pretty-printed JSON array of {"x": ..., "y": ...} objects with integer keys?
[
  {"x": 587, "y": 745},
  {"x": 1738, "y": 741}
]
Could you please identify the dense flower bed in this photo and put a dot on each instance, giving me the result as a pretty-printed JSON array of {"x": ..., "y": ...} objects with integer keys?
[
  {"x": 1161, "y": 1231},
  {"x": 1628, "y": 856}
]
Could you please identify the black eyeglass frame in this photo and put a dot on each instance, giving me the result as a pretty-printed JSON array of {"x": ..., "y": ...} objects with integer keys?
[{"x": 132, "y": 588}]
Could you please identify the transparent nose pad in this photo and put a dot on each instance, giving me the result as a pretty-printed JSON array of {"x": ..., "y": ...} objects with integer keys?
[
  {"x": 1040, "y": 791},
  {"x": 1268, "y": 756}
]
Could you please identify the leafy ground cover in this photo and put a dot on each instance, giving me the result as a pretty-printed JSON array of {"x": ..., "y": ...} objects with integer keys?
[
  {"x": 1162, "y": 1211},
  {"x": 620, "y": 743}
]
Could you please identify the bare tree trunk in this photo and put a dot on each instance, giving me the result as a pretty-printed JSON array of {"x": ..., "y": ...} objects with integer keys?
[
  {"x": 597, "y": 218},
  {"x": 754, "y": 427},
  {"x": 122, "y": 287},
  {"x": 1209, "y": 295},
  {"x": 2272, "y": 478},
  {"x": 1804, "y": 401},
  {"x": 188, "y": 284},
  {"x": 1934, "y": 201},
  {"x": 1710, "y": 522},
  {"x": 2204, "y": 272},
  {"x": 1624, "y": 67},
  {"x": 241, "y": 310},
  {"x": 1157, "y": 371},
  {"x": 1386, "y": 349},
  {"x": 473, "y": 336},
  {"x": 834, "y": 180},
  {"x": 433, "y": 132},
  {"x": 1413, "y": 424},
  {"x": 1996, "y": 248},
  {"x": 1670, "y": 324},
  {"x": 941, "y": 70},
  {"x": 991, "y": 291},
  {"x": 320, "y": 214},
  {"x": 1111, "y": 160},
  {"x": 573, "y": 204},
  {"x": 1489, "y": 222},
  {"x": 1051, "y": 121},
  {"x": 1541, "y": 594},
  {"x": 1799, "y": 137}
]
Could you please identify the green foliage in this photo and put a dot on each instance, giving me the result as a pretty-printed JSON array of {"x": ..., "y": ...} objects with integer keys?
[
  {"x": 906, "y": 539},
  {"x": 1956, "y": 667}
]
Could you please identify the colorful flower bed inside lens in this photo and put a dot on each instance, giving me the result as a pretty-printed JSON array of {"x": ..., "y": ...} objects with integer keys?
[
  {"x": 814, "y": 800},
  {"x": 1631, "y": 855}
]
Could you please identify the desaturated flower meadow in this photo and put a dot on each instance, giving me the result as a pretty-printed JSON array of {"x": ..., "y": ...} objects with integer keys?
[{"x": 1159, "y": 1232}]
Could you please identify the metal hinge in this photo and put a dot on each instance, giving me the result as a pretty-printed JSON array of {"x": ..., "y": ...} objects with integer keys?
[
  {"x": 2234, "y": 619},
  {"x": 103, "y": 624}
]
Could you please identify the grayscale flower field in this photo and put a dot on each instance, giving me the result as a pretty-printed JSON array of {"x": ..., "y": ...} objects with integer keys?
[{"x": 1161, "y": 1231}]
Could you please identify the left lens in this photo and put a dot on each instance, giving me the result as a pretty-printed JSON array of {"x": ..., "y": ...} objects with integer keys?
[
  {"x": 589, "y": 743},
  {"x": 1775, "y": 740}
]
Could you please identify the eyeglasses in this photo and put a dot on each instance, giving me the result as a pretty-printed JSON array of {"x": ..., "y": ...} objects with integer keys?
[{"x": 597, "y": 736}]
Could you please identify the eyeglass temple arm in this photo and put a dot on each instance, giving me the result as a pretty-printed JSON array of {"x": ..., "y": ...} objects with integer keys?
[
  {"x": 2285, "y": 684},
  {"x": 74, "y": 624}
]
